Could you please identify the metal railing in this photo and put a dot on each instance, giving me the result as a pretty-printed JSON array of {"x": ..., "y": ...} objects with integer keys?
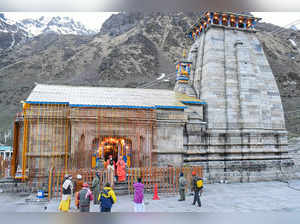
[{"x": 166, "y": 178}]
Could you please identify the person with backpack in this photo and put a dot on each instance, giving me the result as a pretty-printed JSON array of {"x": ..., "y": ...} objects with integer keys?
[
  {"x": 67, "y": 189},
  {"x": 107, "y": 198},
  {"x": 182, "y": 185},
  {"x": 197, "y": 187},
  {"x": 138, "y": 196},
  {"x": 84, "y": 197}
]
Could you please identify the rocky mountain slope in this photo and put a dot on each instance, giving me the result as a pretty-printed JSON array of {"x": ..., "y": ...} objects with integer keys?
[
  {"x": 284, "y": 59},
  {"x": 132, "y": 49},
  {"x": 11, "y": 33}
]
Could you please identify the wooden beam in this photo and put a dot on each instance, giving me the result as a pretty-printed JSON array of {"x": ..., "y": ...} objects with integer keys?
[
  {"x": 25, "y": 141},
  {"x": 15, "y": 149}
]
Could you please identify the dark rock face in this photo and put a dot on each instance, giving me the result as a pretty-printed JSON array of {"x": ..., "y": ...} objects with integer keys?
[
  {"x": 284, "y": 60},
  {"x": 120, "y": 23},
  {"x": 5, "y": 40},
  {"x": 132, "y": 49},
  {"x": 10, "y": 35}
]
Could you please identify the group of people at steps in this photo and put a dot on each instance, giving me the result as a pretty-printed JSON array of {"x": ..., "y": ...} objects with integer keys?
[{"x": 107, "y": 197}]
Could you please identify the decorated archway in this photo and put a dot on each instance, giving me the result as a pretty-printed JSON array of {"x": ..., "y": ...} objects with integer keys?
[{"x": 112, "y": 146}]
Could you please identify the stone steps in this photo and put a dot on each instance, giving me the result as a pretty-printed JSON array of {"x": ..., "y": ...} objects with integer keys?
[{"x": 121, "y": 188}]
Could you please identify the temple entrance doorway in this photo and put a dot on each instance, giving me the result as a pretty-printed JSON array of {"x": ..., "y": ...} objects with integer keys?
[{"x": 115, "y": 147}]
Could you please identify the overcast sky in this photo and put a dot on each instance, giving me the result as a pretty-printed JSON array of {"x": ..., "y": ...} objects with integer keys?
[
  {"x": 94, "y": 20},
  {"x": 278, "y": 18}
]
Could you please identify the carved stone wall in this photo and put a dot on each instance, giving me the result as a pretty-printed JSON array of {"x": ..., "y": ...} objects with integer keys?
[{"x": 245, "y": 137}]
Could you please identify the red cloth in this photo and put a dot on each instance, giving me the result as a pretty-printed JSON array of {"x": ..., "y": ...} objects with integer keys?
[
  {"x": 121, "y": 173},
  {"x": 91, "y": 196}
]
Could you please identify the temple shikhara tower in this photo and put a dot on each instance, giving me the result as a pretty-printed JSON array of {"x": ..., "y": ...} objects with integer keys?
[
  {"x": 224, "y": 114},
  {"x": 246, "y": 135}
]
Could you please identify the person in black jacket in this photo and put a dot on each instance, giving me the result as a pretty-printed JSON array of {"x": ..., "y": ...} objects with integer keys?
[
  {"x": 182, "y": 185},
  {"x": 196, "y": 189}
]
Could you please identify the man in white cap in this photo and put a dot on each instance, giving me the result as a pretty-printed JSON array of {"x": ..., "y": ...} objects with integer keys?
[
  {"x": 78, "y": 186},
  {"x": 78, "y": 183}
]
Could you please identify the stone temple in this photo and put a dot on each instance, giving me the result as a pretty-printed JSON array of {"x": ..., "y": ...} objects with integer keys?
[
  {"x": 224, "y": 114},
  {"x": 245, "y": 136}
]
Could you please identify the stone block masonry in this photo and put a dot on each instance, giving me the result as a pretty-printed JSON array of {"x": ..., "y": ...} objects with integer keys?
[{"x": 245, "y": 138}]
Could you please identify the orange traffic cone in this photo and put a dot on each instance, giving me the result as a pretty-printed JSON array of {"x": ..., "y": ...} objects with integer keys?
[{"x": 155, "y": 196}]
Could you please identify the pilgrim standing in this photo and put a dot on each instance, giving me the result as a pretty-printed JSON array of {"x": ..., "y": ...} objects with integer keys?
[
  {"x": 110, "y": 173},
  {"x": 67, "y": 187},
  {"x": 139, "y": 196},
  {"x": 96, "y": 188},
  {"x": 84, "y": 197},
  {"x": 121, "y": 170}
]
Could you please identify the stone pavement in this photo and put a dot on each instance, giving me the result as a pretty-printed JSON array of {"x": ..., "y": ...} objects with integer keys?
[{"x": 237, "y": 197}]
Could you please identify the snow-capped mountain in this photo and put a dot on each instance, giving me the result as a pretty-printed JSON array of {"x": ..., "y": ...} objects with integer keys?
[
  {"x": 14, "y": 32},
  {"x": 60, "y": 25}
]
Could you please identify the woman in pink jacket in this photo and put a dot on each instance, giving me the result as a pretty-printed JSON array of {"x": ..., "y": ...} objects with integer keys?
[{"x": 139, "y": 196}]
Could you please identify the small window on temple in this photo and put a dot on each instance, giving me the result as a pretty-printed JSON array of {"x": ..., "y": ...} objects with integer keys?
[
  {"x": 249, "y": 23},
  {"x": 241, "y": 23},
  {"x": 232, "y": 21},
  {"x": 207, "y": 17},
  {"x": 215, "y": 19},
  {"x": 224, "y": 21}
]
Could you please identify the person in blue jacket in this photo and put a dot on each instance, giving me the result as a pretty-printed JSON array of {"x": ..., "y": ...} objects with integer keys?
[{"x": 107, "y": 198}]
